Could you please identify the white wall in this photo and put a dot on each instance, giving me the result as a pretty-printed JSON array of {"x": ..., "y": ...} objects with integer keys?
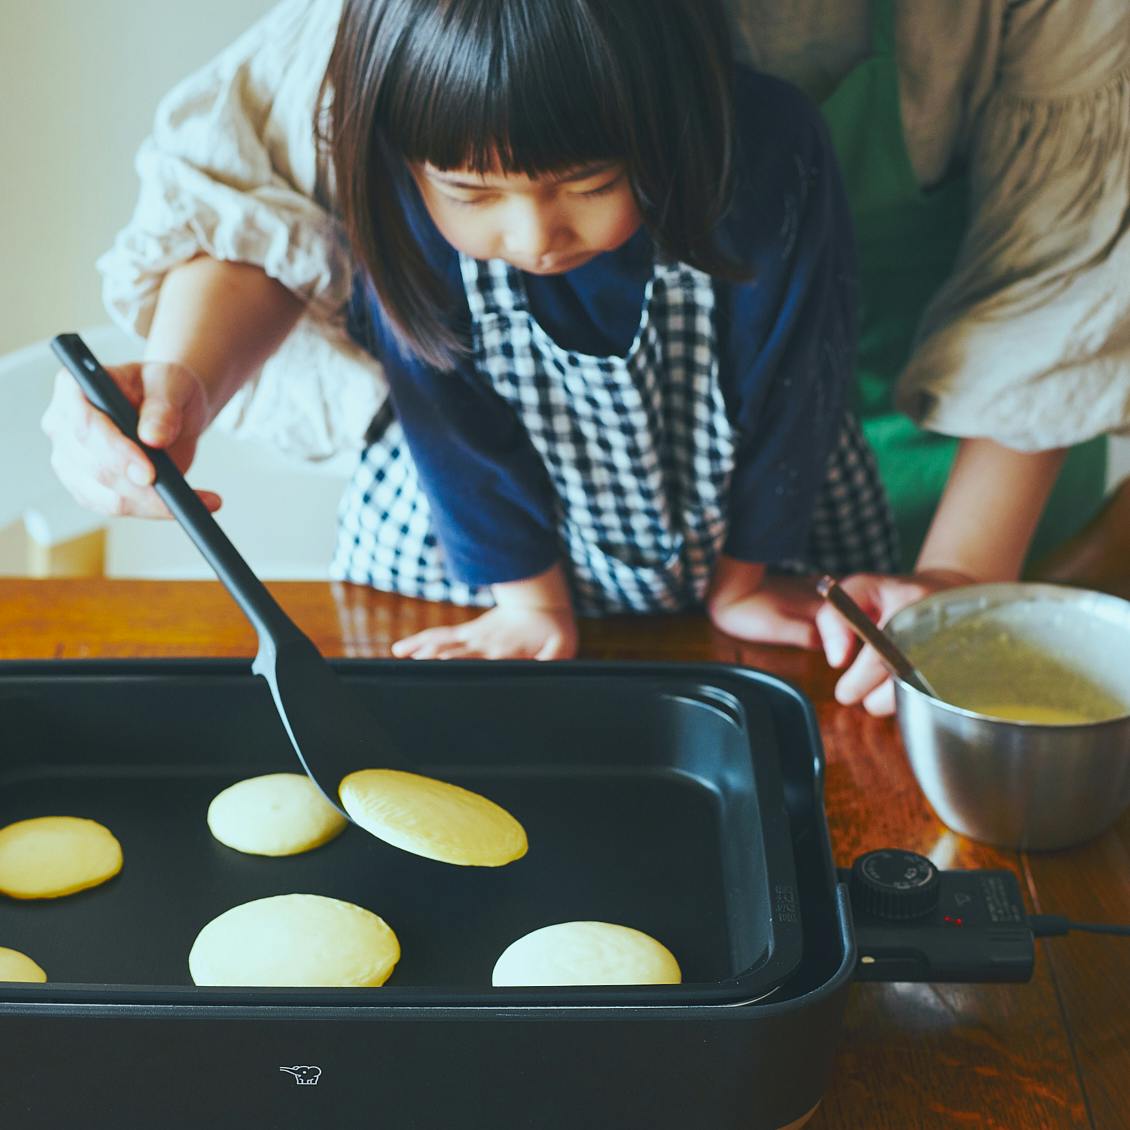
[{"x": 79, "y": 80}]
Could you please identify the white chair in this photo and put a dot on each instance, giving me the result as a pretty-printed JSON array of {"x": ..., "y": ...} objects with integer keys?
[{"x": 280, "y": 513}]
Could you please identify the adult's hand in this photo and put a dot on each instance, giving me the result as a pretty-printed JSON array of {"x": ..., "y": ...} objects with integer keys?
[
  {"x": 102, "y": 469},
  {"x": 866, "y": 680}
]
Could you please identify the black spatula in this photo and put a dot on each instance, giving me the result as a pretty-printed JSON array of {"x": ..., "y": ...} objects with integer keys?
[{"x": 331, "y": 730}]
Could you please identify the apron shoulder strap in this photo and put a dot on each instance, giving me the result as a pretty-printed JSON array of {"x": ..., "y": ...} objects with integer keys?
[{"x": 882, "y": 27}]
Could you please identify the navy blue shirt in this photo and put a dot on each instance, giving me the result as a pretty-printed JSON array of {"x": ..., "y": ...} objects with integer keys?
[{"x": 786, "y": 341}]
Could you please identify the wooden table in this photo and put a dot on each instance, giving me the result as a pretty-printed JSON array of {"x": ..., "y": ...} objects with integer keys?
[{"x": 1051, "y": 1054}]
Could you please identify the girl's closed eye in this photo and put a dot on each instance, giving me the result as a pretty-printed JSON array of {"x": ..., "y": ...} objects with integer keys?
[
  {"x": 602, "y": 189},
  {"x": 474, "y": 202},
  {"x": 478, "y": 201}
]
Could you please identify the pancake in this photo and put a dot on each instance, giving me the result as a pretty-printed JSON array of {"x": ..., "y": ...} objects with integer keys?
[
  {"x": 432, "y": 818},
  {"x": 277, "y": 814},
  {"x": 52, "y": 856},
  {"x": 16, "y": 966},
  {"x": 586, "y": 953},
  {"x": 295, "y": 940}
]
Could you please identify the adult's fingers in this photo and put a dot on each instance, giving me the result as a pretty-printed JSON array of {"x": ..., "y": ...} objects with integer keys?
[
  {"x": 89, "y": 493},
  {"x": 863, "y": 677},
  {"x": 111, "y": 457},
  {"x": 837, "y": 639},
  {"x": 102, "y": 469},
  {"x": 881, "y": 702},
  {"x": 70, "y": 411},
  {"x": 159, "y": 422},
  {"x": 86, "y": 443},
  {"x": 113, "y": 496},
  {"x": 172, "y": 392}
]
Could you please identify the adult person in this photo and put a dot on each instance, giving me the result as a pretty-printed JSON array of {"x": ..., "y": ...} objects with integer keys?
[{"x": 986, "y": 150}]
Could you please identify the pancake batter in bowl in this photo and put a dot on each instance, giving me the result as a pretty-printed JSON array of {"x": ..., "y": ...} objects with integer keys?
[{"x": 1025, "y": 662}]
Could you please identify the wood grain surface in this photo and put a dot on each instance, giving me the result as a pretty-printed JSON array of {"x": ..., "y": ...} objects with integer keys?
[{"x": 1050, "y": 1055}]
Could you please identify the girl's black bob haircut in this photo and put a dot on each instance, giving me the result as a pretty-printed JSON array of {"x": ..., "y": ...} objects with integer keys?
[{"x": 527, "y": 87}]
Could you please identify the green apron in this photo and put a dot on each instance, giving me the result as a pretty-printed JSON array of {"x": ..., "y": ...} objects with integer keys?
[{"x": 908, "y": 241}]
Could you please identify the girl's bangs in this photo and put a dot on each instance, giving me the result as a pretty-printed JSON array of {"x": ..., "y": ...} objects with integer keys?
[{"x": 524, "y": 89}]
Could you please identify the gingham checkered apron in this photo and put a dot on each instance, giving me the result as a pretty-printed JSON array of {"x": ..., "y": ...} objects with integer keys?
[{"x": 639, "y": 451}]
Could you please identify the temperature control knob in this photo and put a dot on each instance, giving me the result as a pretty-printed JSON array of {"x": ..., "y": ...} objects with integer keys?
[{"x": 894, "y": 884}]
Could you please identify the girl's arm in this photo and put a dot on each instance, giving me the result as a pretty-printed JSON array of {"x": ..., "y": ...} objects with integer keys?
[
  {"x": 532, "y": 619},
  {"x": 981, "y": 532},
  {"x": 214, "y": 325}
]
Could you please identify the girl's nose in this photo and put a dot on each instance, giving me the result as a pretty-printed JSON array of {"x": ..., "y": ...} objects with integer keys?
[{"x": 530, "y": 233}]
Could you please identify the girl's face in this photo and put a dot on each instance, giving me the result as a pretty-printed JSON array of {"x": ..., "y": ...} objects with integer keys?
[{"x": 544, "y": 226}]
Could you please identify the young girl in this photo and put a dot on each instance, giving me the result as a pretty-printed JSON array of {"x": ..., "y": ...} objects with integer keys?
[{"x": 610, "y": 281}]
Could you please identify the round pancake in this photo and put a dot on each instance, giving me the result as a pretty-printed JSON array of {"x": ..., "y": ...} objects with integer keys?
[
  {"x": 16, "y": 966},
  {"x": 277, "y": 814},
  {"x": 51, "y": 856},
  {"x": 295, "y": 940},
  {"x": 432, "y": 818},
  {"x": 586, "y": 953}
]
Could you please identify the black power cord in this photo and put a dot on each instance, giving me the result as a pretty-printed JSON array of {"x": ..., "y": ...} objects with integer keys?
[{"x": 1055, "y": 926}]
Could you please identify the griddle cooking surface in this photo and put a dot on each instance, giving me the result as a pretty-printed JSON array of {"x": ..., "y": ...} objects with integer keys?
[
  {"x": 638, "y": 849},
  {"x": 638, "y": 795}
]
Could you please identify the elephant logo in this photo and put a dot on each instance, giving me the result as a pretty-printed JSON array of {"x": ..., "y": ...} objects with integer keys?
[{"x": 304, "y": 1076}]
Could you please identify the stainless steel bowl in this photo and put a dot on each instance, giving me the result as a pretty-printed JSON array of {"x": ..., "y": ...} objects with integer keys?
[{"x": 1027, "y": 785}]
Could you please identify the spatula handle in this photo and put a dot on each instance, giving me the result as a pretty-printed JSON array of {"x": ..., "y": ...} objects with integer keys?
[{"x": 102, "y": 391}]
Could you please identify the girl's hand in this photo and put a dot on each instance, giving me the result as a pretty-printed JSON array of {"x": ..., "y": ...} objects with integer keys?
[
  {"x": 746, "y": 602},
  {"x": 502, "y": 633},
  {"x": 104, "y": 471},
  {"x": 867, "y": 680},
  {"x": 781, "y": 610}
]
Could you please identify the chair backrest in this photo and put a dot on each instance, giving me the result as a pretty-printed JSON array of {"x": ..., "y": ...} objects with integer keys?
[{"x": 279, "y": 513}]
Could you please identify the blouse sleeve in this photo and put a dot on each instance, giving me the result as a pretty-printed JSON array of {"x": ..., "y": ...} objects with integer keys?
[
  {"x": 231, "y": 171},
  {"x": 1028, "y": 341}
]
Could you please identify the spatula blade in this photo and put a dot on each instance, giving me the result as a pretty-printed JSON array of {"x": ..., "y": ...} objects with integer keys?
[{"x": 331, "y": 729}]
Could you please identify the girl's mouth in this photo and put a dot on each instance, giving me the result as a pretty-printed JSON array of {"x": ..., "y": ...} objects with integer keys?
[{"x": 556, "y": 265}]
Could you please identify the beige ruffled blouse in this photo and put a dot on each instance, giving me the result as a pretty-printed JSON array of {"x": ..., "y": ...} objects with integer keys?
[{"x": 1028, "y": 342}]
